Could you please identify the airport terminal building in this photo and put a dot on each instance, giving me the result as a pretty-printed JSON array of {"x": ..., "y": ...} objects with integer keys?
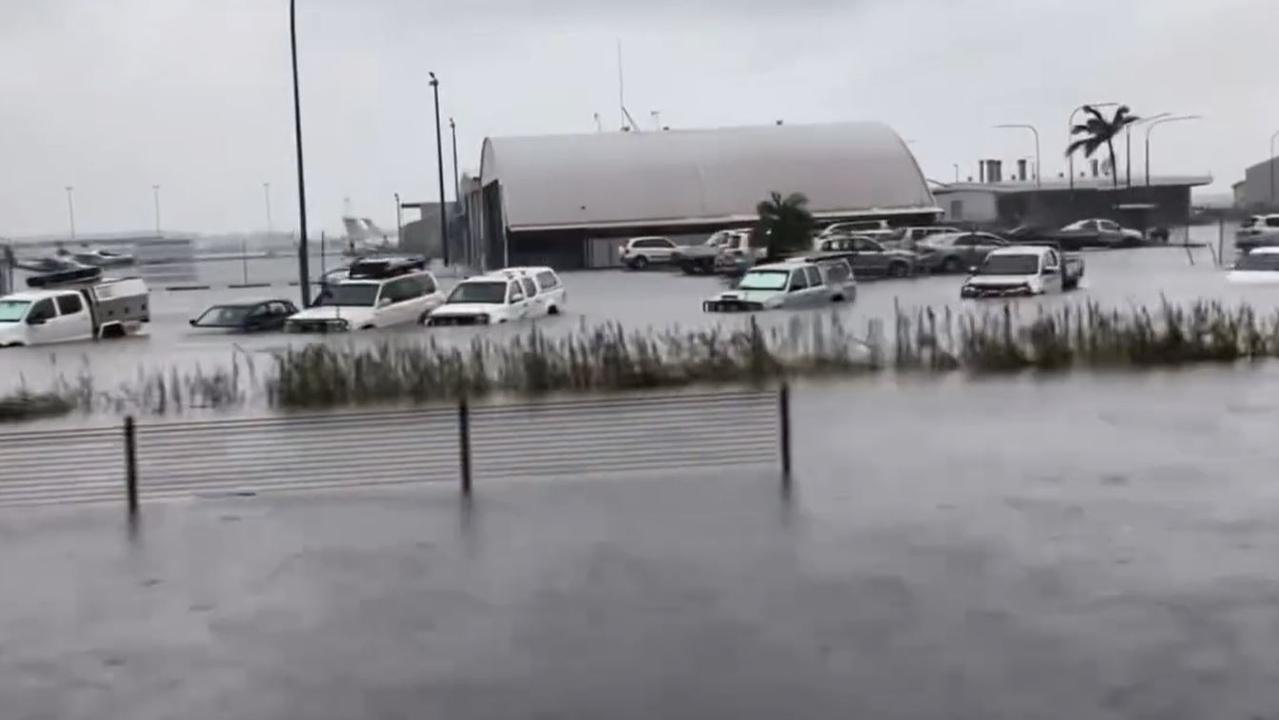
[{"x": 570, "y": 200}]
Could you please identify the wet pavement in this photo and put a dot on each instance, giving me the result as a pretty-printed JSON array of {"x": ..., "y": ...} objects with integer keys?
[{"x": 1081, "y": 546}]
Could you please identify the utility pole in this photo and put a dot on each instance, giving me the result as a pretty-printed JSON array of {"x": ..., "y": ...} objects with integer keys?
[
  {"x": 439, "y": 152},
  {"x": 399, "y": 221},
  {"x": 304, "y": 270},
  {"x": 71, "y": 210},
  {"x": 155, "y": 190}
]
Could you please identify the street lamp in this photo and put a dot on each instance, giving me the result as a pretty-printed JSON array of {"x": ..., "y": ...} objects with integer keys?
[
  {"x": 155, "y": 190},
  {"x": 399, "y": 222},
  {"x": 439, "y": 153},
  {"x": 1272, "y": 169},
  {"x": 71, "y": 210},
  {"x": 1128, "y": 141},
  {"x": 304, "y": 271},
  {"x": 1155, "y": 124},
  {"x": 956, "y": 171},
  {"x": 1070, "y": 131},
  {"x": 1033, "y": 129}
]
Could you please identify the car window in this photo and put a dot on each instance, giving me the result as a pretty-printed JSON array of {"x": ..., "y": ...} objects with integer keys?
[
  {"x": 530, "y": 287},
  {"x": 798, "y": 280},
  {"x": 69, "y": 304},
  {"x": 547, "y": 280},
  {"x": 1108, "y": 225},
  {"x": 837, "y": 272},
  {"x": 966, "y": 241},
  {"x": 1272, "y": 222},
  {"x": 1050, "y": 259},
  {"x": 402, "y": 289},
  {"x": 43, "y": 310},
  {"x": 515, "y": 294},
  {"x": 814, "y": 276},
  {"x": 864, "y": 245}
]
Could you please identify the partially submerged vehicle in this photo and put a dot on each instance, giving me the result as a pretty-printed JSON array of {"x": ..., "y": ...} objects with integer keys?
[
  {"x": 797, "y": 283},
  {"x": 1259, "y": 266},
  {"x": 68, "y": 312},
  {"x": 251, "y": 316},
  {"x": 711, "y": 255},
  {"x": 102, "y": 258},
  {"x": 1024, "y": 270},
  {"x": 503, "y": 296},
  {"x": 377, "y": 292}
]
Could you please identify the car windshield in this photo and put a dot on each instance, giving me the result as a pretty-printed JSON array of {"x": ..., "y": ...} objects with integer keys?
[
  {"x": 484, "y": 293},
  {"x": 13, "y": 310},
  {"x": 224, "y": 315},
  {"x": 350, "y": 295},
  {"x": 1251, "y": 222},
  {"x": 1258, "y": 261},
  {"x": 1010, "y": 265},
  {"x": 764, "y": 280}
]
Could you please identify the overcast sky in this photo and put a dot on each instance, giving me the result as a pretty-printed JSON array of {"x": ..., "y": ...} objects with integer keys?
[{"x": 114, "y": 96}]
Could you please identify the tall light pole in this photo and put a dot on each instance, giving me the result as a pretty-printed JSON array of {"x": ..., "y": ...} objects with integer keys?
[
  {"x": 399, "y": 221},
  {"x": 155, "y": 191},
  {"x": 1155, "y": 124},
  {"x": 304, "y": 270},
  {"x": 457, "y": 185},
  {"x": 1128, "y": 142},
  {"x": 439, "y": 153},
  {"x": 1070, "y": 131},
  {"x": 1272, "y": 169},
  {"x": 71, "y": 210},
  {"x": 266, "y": 195},
  {"x": 956, "y": 171},
  {"x": 1033, "y": 129}
]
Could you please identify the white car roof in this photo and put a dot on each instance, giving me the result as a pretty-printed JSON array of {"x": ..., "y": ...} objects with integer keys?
[
  {"x": 1264, "y": 251},
  {"x": 34, "y": 295},
  {"x": 1023, "y": 250}
]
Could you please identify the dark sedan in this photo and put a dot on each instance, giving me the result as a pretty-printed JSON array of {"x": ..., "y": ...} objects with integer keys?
[{"x": 255, "y": 316}]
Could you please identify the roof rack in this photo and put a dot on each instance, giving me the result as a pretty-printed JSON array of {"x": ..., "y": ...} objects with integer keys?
[
  {"x": 380, "y": 268},
  {"x": 72, "y": 276}
]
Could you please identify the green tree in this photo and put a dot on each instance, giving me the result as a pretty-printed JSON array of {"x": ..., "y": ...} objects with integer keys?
[
  {"x": 1098, "y": 131},
  {"x": 785, "y": 225}
]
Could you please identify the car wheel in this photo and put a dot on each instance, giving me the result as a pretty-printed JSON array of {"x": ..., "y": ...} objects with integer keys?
[
  {"x": 898, "y": 270},
  {"x": 951, "y": 265},
  {"x": 639, "y": 263},
  {"x": 552, "y": 310}
]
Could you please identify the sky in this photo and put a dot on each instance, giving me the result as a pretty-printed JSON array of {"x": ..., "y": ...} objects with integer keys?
[{"x": 114, "y": 97}]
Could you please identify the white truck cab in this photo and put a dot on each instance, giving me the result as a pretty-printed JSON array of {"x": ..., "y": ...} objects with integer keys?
[
  {"x": 107, "y": 309},
  {"x": 507, "y": 295},
  {"x": 1023, "y": 270},
  {"x": 790, "y": 284}
]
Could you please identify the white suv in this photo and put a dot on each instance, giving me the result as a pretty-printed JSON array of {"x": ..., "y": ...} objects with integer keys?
[
  {"x": 503, "y": 296},
  {"x": 1258, "y": 231},
  {"x": 875, "y": 229},
  {"x": 378, "y": 292},
  {"x": 641, "y": 252}
]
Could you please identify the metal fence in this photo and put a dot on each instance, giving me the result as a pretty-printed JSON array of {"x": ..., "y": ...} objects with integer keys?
[{"x": 467, "y": 443}]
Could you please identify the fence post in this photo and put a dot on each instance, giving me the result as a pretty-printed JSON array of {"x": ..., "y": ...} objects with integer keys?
[
  {"x": 783, "y": 400},
  {"x": 131, "y": 464},
  {"x": 464, "y": 443}
]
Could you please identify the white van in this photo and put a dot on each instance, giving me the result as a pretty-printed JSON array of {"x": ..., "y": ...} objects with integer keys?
[
  {"x": 377, "y": 293},
  {"x": 502, "y": 296}
]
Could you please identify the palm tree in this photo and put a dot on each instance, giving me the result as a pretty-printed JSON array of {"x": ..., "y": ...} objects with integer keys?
[
  {"x": 1099, "y": 131},
  {"x": 785, "y": 224}
]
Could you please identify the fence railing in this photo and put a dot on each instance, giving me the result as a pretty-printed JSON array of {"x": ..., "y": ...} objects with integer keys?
[{"x": 467, "y": 443}]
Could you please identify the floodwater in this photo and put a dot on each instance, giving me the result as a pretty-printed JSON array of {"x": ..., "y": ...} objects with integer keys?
[{"x": 655, "y": 299}]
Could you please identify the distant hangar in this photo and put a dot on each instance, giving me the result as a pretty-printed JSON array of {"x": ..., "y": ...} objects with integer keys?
[{"x": 566, "y": 200}]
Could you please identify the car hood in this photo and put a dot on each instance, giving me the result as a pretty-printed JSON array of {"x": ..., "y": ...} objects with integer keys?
[
  {"x": 999, "y": 280},
  {"x": 1250, "y": 277},
  {"x": 464, "y": 309},
  {"x": 10, "y": 331},
  {"x": 352, "y": 314}
]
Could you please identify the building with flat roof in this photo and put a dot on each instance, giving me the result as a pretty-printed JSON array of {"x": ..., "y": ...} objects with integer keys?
[
  {"x": 567, "y": 200},
  {"x": 1164, "y": 201},
  {"x": 1260, "y": 190}
]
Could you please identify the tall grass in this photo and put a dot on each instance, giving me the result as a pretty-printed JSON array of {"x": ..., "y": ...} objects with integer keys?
[{"x": 985, "y": 339}]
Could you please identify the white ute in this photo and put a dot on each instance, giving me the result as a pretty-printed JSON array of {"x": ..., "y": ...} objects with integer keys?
[
  {"x": 72, "y": 312},
  {"x": 503, "y": 296},
  {"x": 790, "y": 284},
  {"x": 377, "y": 293},
  {"x": 1023, "y": 270}
]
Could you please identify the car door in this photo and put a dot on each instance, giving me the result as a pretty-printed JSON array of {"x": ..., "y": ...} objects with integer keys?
[
  {"x": 516, "y": 300},
  {"x": 1051, "y": 270},
  {"x": 42, "y": 323},
  {"x": 816, "y": 292},
  {"x": 533, "y": 300},
  {"x": 868, "y": 258}
]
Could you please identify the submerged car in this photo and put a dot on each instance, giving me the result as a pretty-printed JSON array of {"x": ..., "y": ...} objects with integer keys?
[
  {"x": 377, "y": 293},
  {"x": 869, "y": 258},
  {"x": 804, "y": 282},
  {"x": 1257, "y": 267},
  {"x": 1258, "y": 231},
  {"x": 502, "y": 296},
  {"x": 252, "y": 316},
  {"x": 1024, "y": 270}
]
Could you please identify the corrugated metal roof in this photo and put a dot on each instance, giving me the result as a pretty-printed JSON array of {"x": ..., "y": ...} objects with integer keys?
[{"x": 676, "y": 176}]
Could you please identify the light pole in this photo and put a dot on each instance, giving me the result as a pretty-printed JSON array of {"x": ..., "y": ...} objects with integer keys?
[
  {"x": 304, "y": 271},
  {"x": 1033, "y": 129},
  {"x": 1272, "y": 169},
  {"x": 1070, "y": 131},
  {"x": 399, "y": 222},
  {"x": 1128, "y": 142},
  {"x": 457, "y": 186},
  {"x": 439, "y": 153},
  {"x": 956, "y": 171},
  {"x": 1155, "y": 124},
  {"x": 71, "y": 210},
  {"x": 155, "y": 190}
]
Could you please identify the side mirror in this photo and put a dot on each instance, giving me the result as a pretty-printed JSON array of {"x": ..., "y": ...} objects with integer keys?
[
  {"x": 192, "y": 322},
  {"x": 972, "y": 269},
  {"x": 36, "y": 321},
  {"x": 1050, "y": 271},
  {"x": 383, "y": 302}
]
